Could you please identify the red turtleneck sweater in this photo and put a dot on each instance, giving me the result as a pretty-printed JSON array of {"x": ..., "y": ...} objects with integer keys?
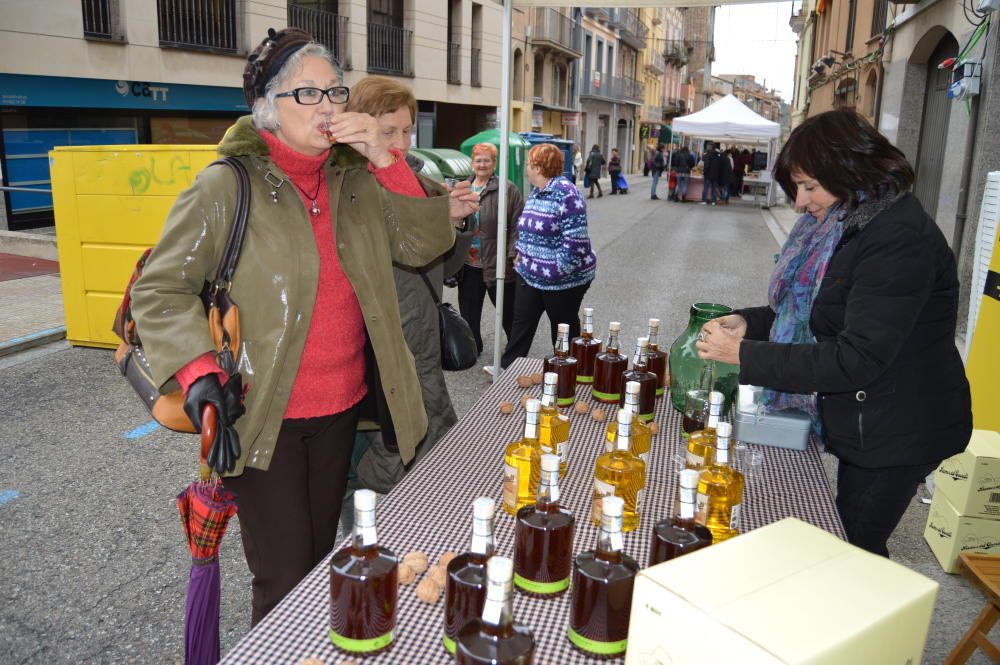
[{"x": 331, "y": 377}]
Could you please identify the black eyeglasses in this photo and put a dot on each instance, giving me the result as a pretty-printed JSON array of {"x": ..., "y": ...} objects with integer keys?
[{"x": 312, "y": 96}]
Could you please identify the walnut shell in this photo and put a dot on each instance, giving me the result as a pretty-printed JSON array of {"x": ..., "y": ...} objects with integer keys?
[
  {"x": 537, "y": 378},
  {"x": 506, "y": 407},
  {"x": 406, "y": 575},
  {"x": 311, "y": 661},
  {"x": 524, "y": 381},
  {"x": 438, "y": 574},
  {"x": 582, "y": 407},
  {"x": 428, "y": 591},
  {"x": 524, "y": 401},
  {"x": 349, "y": 661},
  {"x": 654, "y": 428},
  {"x": 598, "y": 415},
  {"x": 417, "y": 561},
  {"x": 446, "y": 559}
]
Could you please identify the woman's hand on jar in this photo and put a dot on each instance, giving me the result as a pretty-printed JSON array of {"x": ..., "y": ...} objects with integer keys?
[
  {"x": 361, "y": 132},
  {"x": 462, "y": 201},
  {"x": 718, "y": 343},
  {"x": 732, "y": 323}
]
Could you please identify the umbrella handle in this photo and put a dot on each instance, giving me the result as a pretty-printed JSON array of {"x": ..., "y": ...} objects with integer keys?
[{"x": 209, "y": 425}]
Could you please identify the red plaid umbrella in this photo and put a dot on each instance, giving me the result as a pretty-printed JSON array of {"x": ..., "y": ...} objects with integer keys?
[{"x": 206, "y": 508}]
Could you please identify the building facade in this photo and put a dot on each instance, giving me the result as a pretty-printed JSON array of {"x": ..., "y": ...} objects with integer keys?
[{"x": 699, "y": 38}]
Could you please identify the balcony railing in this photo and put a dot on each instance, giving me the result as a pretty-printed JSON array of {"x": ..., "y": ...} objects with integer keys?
[
  {"x": 655, "y": 62},
  {"x": 676, "y": 52},
  {"x": 454, "y": 63},
  {"x": 653, "y": 114},
  {"x": 327, "y": 28},
  {"x": 613, "y": 88},
  {"x": 100, "y": 20},
  {"x": 199, "y": 26},
  {"x": 390, "y": 50},
  {"x": 631, "y": 30},
  {"x": 598, "y": 13},
  {"x": 476, "y": 72},
  {"x": 550, "y": 28}
]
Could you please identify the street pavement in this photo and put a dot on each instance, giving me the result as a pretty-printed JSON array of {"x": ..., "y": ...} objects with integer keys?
[{"x": 95, "y": 566}]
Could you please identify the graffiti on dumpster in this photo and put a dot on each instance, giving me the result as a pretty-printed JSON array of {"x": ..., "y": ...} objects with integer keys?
[{"x": 172, "y": 173}]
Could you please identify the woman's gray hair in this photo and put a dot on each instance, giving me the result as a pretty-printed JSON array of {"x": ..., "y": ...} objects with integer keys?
[{"x": 265, "y": 110}]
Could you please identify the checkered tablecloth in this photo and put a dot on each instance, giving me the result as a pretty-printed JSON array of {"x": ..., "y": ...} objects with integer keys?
[{"x": 431, "y": 511}]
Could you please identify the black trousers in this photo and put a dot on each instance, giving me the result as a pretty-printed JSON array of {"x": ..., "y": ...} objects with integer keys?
[
  {"x": 614, "y": 181},
  {"x": 561, "y": 306},
  {"x": 471, "y": 290},
  {"x": 289, "y": 513},
  {"x": 872, "y": 501},
  {"x": 594, "y": 182}
]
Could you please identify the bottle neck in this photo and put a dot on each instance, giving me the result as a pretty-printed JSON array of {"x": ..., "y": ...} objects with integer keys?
[
  {"x": 609, "y": 539},
  {"x": 640, "y": 359},
  {"x": 612, "y": 342},
  {"x": 531, "y": 426},
  {"x": 548, "y": 490},
  {"x": 562, "y": 345},
  {"x": 549, "y": 395},
  {"x": 722, "y": 451},
  {"x": 498, "y": 610},
  {"x": 365, "y": 537},
  {"x": 587, "y": 328},
  {"x": 482, "y": 545},
  {"x": 632, "y": 402},
  {"x": 714, "y": 411},
  {"x": 624, "y": 438},
  {"x": 686, "y": 506},
  {"x": 654, "y": 338}
]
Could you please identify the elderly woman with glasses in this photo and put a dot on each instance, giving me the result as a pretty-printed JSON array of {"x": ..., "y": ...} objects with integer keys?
[{"x": 321, "y": 337}]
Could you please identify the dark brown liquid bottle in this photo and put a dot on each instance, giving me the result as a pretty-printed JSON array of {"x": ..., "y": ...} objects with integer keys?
[
  {"x": 656, "y": 361},
  {"x": 564, "y": 367},
  {"x": 363, "y": 586},
  {"x": 465, "y": 588},
  {"x": 608, "y": 369},
  {"x": 602, "y": 589},
  {"x": 494, "y": 638},
  {"x": 543, "y": 539},
  {"x": 680, "y": 534},
  {"x": 585, "y": 349},
  {"x": 645, "y": 379}
]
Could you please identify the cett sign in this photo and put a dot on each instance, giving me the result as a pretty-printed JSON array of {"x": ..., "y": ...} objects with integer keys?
[{"x": 141, "y": 89}]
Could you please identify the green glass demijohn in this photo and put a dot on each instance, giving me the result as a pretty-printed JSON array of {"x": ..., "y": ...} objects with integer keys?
[{"x": 687, "y": 369}]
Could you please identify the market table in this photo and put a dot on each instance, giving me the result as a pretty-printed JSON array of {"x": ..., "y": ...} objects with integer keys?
[{"x": 431, "y": 511}]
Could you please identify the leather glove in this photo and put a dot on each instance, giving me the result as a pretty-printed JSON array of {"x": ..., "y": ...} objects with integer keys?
[{"x": 228, "y": 402}]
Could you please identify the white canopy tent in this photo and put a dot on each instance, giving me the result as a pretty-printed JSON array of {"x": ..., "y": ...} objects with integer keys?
[{"x": 505, "y": 103}]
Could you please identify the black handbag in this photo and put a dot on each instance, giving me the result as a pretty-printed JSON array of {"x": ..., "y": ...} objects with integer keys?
[{"x": 458, "y": 344}]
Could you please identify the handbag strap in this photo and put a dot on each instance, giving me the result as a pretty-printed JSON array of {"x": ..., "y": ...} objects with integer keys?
[
  {"x": 234, "y": 243},
  {"x": 434, "y": 295}
]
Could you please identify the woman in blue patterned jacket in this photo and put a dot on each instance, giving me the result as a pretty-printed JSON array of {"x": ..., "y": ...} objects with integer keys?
[{"x": 555, "y": 263}]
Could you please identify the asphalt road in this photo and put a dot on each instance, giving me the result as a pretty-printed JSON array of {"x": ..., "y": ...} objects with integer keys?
[{"x": 94, "y": 563}]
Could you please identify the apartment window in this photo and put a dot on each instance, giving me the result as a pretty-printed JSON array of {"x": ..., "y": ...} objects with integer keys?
[
  {"x": 878, "y": 17},
  {"x": 100, "y": 19},
  {"x": 539, "y": 73},
  {"x": 203, "y": 26},
  {"x": 559, "y": 85},
  {"x": 518, "y": 74},
  {"x": 389, "y": 45},
  {"x": 320, "y": 19},
  {"x": 477, "y": 45},
  {"x": 852, "y": 16}
]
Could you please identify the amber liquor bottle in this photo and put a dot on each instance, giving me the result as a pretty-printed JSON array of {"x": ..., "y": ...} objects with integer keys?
[
  {"x": 681, "y": 534},
  {"x": 608, "y": 368},
  {"x": 465, "y": 588},
  {"x": 564, "y": 366},
  {"x": 522, "y": 463},
  {"x": 602, "y": 589},
  {"x": 720, "y": 491},
  {"x": 641, "y": 434},
  {"x": 620, "y": 473},
  {"x": 585, "y": 348},
  {"x": 543, "y": 539},
  {"x": 495, "y": 638},
  {"x": 645, "y": 378},
  {"x": 363, "y": 586},
  {"x": 553, "y": 427},
  {"x": 657, "y": 359},
  {"x": 701, "y": 442}
]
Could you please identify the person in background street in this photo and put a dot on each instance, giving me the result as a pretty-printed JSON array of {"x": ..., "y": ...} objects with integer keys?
[
  {"x": 479, "y": 277},
  {"x": 711, "y": 170},
  {"x": 614, "y": 169},
  {"x": 593, "y": 169},
  {"x": 315, "y": 292},
  {"x": 659, "y": 162},
  {"x": 682, "y": 161},
  {"x": 740, "y": 161},
  {"x": 859, "y": 331},
  {"x": 555, "y": 262},
  {"x": 577, "y": 162},
  {"x": 394, "y": 108},
  {"x": 647, "y": 164},
  {"x": 726, "y": 175}
]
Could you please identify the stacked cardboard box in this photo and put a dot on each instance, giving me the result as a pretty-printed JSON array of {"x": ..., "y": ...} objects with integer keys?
[{"x": 965, "y": 513}]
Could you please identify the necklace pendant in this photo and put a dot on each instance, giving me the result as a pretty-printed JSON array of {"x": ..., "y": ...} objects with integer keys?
[{"x": 315, "y": 208}]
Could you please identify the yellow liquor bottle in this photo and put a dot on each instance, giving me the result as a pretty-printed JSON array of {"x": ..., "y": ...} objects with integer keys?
[
  {"x": 620, "y": 473},
  {"x": 701, "y": 443},
  {"x": 720, "y": 491},
  {"x": 522, "y": 464},
  {"x": 553, "y": 427},
  {"x": 641, "y": 434}
]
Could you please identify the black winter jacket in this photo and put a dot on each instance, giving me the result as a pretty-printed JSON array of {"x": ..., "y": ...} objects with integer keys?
[{"x": 891, "y": 384}]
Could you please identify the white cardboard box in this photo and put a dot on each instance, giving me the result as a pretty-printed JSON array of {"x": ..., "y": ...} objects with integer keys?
[
  {"x": 971, "y": 479},
  {"x": 950, "y": 533},
  {"x": 785, "y": 594}
]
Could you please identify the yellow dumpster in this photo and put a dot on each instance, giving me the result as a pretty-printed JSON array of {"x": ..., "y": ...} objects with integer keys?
[{"x": 110, "y": 205}]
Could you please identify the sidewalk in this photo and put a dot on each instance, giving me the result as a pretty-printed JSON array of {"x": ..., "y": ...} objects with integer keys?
[{"x": 31, "y": 307}]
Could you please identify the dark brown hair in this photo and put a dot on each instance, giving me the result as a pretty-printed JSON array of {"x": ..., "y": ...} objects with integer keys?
[
  {"x": 846, "y": 155},
  {"x": 547, "y": 158}
]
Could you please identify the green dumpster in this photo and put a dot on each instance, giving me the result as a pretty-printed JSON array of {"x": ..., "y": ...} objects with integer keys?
[
  {"x": 518, "y": 153},
  {"x": 429, "y": 169},
  {"x": 451, "y": 163}
]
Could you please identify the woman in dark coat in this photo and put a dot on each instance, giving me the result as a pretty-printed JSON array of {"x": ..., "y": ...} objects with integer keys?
[
  {"x": 593, "y": 168},
  {"x": 860, "y": 329}
]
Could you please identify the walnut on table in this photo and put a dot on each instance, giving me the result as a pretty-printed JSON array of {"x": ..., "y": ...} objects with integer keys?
[
  {"x": 438, "y": 574},
  {"x": 406, "y": 575},
  {"x": 525, "y": 381},
  {"x": 598, "y": 415},
  {"x": 417, "y": 561},
  {"x": 311, "y": 661},
  {"x": 445, "y": 559},
  {"x": 524, "y": 401},
  {"x": 654, "y": 428},
  {"x": 537, "y": 378},
  {"x": 428, "y": 591},
  {"x": 582, "y": 407},
  {"x": 506, "y": 407}
]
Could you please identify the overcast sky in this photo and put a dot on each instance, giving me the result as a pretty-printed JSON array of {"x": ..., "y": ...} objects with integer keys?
[{"x": 756, "y": 39}]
